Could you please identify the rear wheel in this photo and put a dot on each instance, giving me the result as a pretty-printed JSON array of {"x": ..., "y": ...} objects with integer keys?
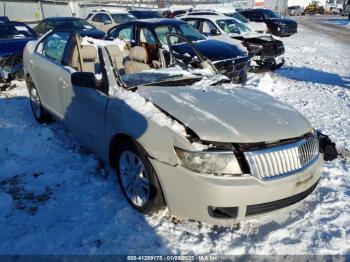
[
  {"x": 138, "y": 179},
  {"x": 39, "y": 113}
]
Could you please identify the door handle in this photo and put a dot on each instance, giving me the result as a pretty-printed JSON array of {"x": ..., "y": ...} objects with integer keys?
[
  {"x": 33, "y": 64},
  {"x": 63, "y": 82}
]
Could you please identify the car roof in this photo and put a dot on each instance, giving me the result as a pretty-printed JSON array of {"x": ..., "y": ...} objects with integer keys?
[
  {"x": 113, "y": 11},
  {"x": 61, "y": 18},
  {"x": 140, "y": 10},
  {"x": 210, "y": 17},
  {"x": 255, "y": 9},
  {"x": 13, "y": 23},
  {"x": 155, "y": 22}
]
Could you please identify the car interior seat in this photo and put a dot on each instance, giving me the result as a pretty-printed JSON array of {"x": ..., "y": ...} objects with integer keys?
[
  {"x": 148, "y": 42},
  {"x": 137, "y": 61},
  {"x": 118, "y": 57},
  {"x": 90, "y": 61}
]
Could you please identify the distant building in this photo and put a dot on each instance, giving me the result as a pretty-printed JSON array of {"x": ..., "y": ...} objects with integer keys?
[{"x": 279, "y": 6}]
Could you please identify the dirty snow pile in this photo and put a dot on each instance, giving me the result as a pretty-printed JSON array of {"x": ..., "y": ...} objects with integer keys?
[{"x": 58, "y": 198}]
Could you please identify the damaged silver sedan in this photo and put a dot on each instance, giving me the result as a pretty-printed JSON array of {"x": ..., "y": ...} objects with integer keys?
[{"x": 188, "y": 140}]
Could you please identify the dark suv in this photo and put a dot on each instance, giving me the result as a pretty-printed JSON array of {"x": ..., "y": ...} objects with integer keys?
[
  {"x": 276, "y": 24},
  {"x": 152, "y": 35}
]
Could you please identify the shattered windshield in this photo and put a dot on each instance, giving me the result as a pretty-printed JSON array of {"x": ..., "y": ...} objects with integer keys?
[{"x": 15, "y": 31}]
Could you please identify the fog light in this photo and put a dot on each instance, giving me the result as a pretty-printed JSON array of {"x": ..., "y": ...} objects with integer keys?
[{"x": 223, "y": 212}]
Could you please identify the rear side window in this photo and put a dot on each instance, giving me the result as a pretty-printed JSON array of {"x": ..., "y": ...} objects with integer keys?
[{"x": 55, "y": 45}]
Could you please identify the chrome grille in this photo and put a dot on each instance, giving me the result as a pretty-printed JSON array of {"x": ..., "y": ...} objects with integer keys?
[{"x": 283, "y": 160}]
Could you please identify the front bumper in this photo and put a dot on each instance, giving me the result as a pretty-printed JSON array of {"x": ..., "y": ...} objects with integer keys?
[
  {"x": 285, "y": 30},
  {"x": 190, "y": 195}
]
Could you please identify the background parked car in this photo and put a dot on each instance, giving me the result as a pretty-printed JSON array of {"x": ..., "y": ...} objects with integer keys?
[
  {"x": 4, "y": 19},
  {"x": 105, "y": 20},
  {"x": 276, "y": 24},
  {"x": 257, "y": 27},
  {"x": 13, "y": 38},
  {"x": 144, "y": 14},
  {"x": 294, "y": 10},
  {"x": 72, "y": 23},
  {"x": 151, "y": 34},
  {"x": 263, "y": 48}
]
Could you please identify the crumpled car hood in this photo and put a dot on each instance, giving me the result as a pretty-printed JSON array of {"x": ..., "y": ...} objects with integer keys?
[{"x": 238, "y": 115}]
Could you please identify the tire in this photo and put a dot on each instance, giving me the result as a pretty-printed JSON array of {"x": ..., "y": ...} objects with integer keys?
[
  {"x": 147, "y": 198},
  {"x": 39, "y": 113},
  {"x": 271, "y": 65}
]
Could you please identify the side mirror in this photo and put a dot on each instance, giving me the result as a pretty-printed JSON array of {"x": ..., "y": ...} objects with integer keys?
[
  {"x": 86, "y": 79},
  {"x": 108, "y": 22},
  {"x": 214, "y": 31}
]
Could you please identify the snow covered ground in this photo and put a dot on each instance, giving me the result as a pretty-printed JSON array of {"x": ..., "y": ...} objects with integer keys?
[
  {"x": 342, "y": 22},
  {"x": 58, "y": 198}
]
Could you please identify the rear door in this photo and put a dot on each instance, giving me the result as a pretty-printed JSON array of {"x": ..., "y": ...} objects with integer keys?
[{"x": 46, "y": 66}]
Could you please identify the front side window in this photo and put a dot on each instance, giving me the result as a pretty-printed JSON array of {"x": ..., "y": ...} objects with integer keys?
[{"x": 55, "y": 45}]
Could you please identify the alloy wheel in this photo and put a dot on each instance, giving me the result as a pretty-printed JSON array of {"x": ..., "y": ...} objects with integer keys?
[{"x": 134, "y": 178}]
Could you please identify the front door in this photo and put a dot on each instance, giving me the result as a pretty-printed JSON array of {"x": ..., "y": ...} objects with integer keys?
[{"x": 84, "y": 107}]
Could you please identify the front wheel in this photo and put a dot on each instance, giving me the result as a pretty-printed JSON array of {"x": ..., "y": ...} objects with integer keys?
[
  {"x": 138, "y": 179},
  {"x": 39, "y": 112}
]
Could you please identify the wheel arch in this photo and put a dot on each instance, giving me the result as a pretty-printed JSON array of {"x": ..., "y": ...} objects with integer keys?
[{"x": 116, "y": 140}]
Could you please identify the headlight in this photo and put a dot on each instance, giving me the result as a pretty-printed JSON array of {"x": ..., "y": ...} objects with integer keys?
[{"x": 212, "y": 162}]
